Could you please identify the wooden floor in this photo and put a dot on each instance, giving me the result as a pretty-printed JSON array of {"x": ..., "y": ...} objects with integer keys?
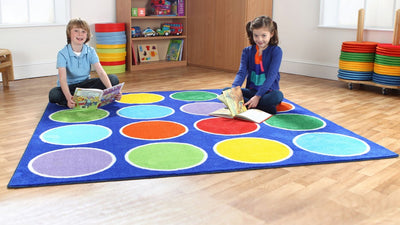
[{"x": 365, "y": 192}]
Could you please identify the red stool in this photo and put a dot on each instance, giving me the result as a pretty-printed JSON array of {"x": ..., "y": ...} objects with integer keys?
[{"x": 6, "y": 66}]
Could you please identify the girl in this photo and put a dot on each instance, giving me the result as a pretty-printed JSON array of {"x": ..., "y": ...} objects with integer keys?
[
  {"x": 260, "y": 64},
  {"x": 74, "y": 62}
]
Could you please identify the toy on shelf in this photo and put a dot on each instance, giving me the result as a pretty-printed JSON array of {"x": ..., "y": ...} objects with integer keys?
[
  {"x": 136, "y": 31},
  {"x": 176, "y": 28},
  {"x": 161, "y": 7},
  {"x": 165, "y": 30},
  {"x": 148, "y": 32}
]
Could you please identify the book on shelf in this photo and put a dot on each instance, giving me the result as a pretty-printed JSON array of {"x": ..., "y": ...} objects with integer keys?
[
  {"x": 134, "y": 57},
  {"x": 235, "y": 108},
  {"x": 148, "y": 53},
  {"x": 92, "y": 98},
  {"x": 181, "y": 8},
  {"x": 174, "y": 52}
]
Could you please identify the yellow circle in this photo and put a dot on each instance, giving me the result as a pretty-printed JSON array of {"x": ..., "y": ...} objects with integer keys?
[
  {"x": 140, "y": 98},
  {"x": 253, "y": 150}
]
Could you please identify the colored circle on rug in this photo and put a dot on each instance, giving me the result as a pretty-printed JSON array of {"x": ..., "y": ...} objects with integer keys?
[
  {"x": 284, "y": 107},
  {"x": 295, "y": 122},
  {"x": 253, "y": 150},
  {"x": 166, "y": 156},
  {"x": 71, "y": 162},
  {"x": 78, "y": 116},
  {"x": 194, "y": 96},
  {"x": 141, "y": 98},
  {"x": 76, "y": 134},
  {"x": 154, "y": 130},
  {"x": 226, "y": 126},
  {"x": 202, "y": 108},
  {"x": 331, "y": 144},
  {"x": 145, "y": 112}
]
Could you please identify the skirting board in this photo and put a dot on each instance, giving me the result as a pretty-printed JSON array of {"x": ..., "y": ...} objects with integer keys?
[
  {"x": 34, "y": 70},
  {"x": 309, "y": 69},
  {"x": 287, "y": 66}
]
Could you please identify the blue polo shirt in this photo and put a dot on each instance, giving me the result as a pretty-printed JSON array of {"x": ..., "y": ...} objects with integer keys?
[{"x": 78, "y": 67}]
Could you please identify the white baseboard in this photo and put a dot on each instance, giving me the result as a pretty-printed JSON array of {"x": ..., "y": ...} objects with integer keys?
[
  {"x": 310, "y": 69},
  {"x": 34, "y": 70}
]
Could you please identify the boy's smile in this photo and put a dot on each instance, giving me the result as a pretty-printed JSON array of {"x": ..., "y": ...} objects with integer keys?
[{"x": 78, "y": 36}]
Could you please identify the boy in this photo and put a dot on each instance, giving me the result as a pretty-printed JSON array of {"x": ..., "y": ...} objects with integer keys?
[{"x": 74, "y": 62}]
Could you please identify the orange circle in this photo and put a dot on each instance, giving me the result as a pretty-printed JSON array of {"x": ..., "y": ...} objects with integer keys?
[
  {"x": 284, "y": 107},
  {"x": 154, "y": 130}
]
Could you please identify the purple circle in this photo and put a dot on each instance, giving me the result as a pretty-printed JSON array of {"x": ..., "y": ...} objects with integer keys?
[
  {"x": 71, "y": 162},
  {"x": 202, "y": 108}
]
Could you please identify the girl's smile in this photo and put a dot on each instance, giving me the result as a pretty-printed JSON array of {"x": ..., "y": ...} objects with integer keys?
[{"x": 261, "y": 37}]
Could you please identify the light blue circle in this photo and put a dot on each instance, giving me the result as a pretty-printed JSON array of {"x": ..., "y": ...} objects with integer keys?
[
  {"x": 145, "y": 112},
  {"x": 75, "y": 134},
  {"x": 331, "y": 144}
]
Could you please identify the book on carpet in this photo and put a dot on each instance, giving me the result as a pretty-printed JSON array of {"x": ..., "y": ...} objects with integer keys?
[
  {"x": 233, "y": 99},
  {"x": 174, "y": 52},
  {"x": 92, "y": 98}
]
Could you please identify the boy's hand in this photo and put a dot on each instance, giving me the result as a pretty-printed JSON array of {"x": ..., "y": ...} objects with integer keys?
[
  {"x": 118, "y": 97},
  {"x": 70, "y": 102}
]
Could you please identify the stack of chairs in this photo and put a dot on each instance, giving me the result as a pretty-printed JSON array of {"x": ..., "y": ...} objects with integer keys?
[
  {"x": 111, "y": 46},
  {"x": 357, "y": 60}
]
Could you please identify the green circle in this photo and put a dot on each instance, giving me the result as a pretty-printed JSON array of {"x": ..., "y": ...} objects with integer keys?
[
  {"x": 78, "y": 116},
  {"x": 296, "y": 122},
  {"x": 194, "y": 96},
  {"x": 166, "y": 156}
]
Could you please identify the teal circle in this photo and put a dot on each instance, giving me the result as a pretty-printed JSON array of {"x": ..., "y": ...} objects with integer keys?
[
  {"x": 331, "y": 144},
  {"x": 194, "y": 96},
  {"x": 166, "y": 156},
  {"x": 295, "y": 122},
  {"x": 145, "y": 112},
  {"x": 75, "y": 134},
  {"x": 78, "y": 116}
]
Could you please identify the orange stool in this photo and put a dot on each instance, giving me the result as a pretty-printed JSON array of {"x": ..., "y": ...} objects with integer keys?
[{"x": 6, "y": 66}]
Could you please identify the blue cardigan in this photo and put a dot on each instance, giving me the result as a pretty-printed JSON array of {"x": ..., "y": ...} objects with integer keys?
[{"x": 271, "y": 58}]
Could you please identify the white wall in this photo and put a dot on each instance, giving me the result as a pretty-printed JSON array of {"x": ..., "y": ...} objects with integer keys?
[
  {"x": 310, "y": 50},
  {"x": 34, "y": 49}
]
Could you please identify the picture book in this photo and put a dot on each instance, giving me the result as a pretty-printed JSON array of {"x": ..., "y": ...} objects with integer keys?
[
  {"x": 174, "y": 52},
  {"x": 148, "y": 53},
  {"x": 233, "y": 99},
  {"x": 92, "y": 98}
]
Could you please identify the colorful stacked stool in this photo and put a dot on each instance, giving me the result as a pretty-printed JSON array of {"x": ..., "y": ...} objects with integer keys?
[
  {"x": 111, "y": 46},
  {"x": 387, "y": 65},
  {"x": 357, "y": 60}
]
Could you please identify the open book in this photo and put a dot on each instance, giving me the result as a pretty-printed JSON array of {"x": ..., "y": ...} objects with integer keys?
[
  {"x": 233, "y": 99},
  {"x": 92, "y": 98}
]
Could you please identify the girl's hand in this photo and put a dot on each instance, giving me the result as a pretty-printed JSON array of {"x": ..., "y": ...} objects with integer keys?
[
  {"x": 70, "y": 102},
  {"x": 253, "y": 102}
]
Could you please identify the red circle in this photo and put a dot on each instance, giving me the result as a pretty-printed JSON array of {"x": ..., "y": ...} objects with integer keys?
[
  {"x": 109, "y": 27},
  {"x": 226, "y": 126},
  {"x": 154, "y": 130},
  {"x": 114, "y": 63}
]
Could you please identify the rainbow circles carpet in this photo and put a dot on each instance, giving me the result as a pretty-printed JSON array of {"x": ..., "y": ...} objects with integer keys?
[{"x": 161, "y": 134}]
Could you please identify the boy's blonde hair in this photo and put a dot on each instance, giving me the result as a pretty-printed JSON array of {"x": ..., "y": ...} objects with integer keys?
[{"x": 79, "y": 23}]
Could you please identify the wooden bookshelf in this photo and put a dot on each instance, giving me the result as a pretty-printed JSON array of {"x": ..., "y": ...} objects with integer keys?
[{"x": 124, "y": 16}]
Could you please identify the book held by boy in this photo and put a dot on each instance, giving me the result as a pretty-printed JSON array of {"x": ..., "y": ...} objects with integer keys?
[
  {"x": 92, "y": 98},
  {"x": 233, "y": 99}
]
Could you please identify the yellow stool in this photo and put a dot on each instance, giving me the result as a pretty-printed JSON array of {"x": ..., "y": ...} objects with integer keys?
[{"x": 6, "y": 66}]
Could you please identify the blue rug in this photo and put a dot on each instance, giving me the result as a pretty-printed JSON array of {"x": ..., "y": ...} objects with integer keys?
[{"x": 161, "y": 134}]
